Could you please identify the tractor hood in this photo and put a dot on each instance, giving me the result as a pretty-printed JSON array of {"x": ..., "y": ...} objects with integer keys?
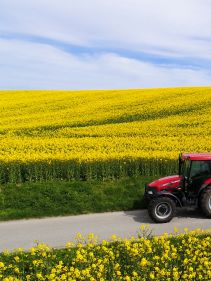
[{"x": 166, "y": 182}]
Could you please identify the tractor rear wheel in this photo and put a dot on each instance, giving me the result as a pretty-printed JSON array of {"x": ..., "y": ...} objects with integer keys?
[
  {"x": 205, "y": 202},
  {"x": 161, "y": 209}
]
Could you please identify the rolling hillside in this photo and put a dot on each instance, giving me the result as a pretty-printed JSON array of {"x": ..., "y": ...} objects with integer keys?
[{"x": 100, "y": 134}]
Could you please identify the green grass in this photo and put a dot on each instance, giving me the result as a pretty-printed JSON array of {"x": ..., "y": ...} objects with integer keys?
[{"x": 59, "y": 198}]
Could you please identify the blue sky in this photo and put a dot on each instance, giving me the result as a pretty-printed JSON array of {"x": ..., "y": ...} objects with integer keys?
[{"x": 104, "y": 44}]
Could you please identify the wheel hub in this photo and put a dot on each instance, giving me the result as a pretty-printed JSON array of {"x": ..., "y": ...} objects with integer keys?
[{"x": 163, "y": 210}]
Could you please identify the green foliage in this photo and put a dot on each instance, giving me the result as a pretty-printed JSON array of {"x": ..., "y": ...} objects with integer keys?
[
  {"x": 75, "y": 197},
  {"x": 17, "y": 172}
]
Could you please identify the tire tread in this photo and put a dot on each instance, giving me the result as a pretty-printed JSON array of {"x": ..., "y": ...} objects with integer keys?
[{"x": 204, "y": 202}]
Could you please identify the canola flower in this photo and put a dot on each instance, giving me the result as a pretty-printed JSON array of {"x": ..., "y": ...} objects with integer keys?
[
  {"x": 185, "y": 256},
  {"x": 89, "y": 134}
]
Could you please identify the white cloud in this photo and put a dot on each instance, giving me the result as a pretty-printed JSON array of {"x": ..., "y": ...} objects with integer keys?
[
  {"x": 33, "y": 66},
  {"x": 173, "y": 29},
  {"x": 135, "y": 24}
]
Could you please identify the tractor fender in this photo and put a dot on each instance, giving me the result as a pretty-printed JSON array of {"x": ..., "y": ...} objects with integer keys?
[
  {"x": 205, "y": 185},
  {"x": 170, "y": 195}
]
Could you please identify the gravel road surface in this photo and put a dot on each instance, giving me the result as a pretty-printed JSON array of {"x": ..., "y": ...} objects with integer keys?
[{"x": 58, "y": 231}]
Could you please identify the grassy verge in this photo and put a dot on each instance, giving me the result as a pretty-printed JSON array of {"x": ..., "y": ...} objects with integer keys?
[
  {"x": 29, "y": 200},
  {"x": 182, "y": 257}
]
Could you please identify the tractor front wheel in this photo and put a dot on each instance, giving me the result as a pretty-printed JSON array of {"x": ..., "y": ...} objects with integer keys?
[
  {"x": 205, "y": 202},
  {"x": 161, "y": 209}
]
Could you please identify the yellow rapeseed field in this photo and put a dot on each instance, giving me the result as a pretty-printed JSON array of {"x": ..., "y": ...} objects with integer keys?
[{"x": 42, "y": 132}]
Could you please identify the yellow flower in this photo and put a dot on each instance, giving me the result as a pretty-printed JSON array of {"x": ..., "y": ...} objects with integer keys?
[
  {"x": 143, "y": 262},
  {"x": 16, "y": 258},
  {"x": 114, "y": 237},
  {"x": 135, "y": 274},
  {"x": 152, "y": 275},
  {"x": 143, "y": 227},
  {"x": 176, "y": 229},
  {"x": 16, "y": 269}
]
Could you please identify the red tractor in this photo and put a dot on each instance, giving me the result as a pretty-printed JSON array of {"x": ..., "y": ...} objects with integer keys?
[{"x": 192, "y": 187}]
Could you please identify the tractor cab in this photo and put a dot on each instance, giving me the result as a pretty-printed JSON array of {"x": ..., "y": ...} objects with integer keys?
[
  {"x": 191, "y": 187},
  {"x": 194, "y": 169}
]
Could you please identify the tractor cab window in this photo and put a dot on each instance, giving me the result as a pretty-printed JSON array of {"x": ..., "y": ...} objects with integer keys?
[
  {"x": 185, "y": 168},
  {"x": 199, "y": 169}
]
